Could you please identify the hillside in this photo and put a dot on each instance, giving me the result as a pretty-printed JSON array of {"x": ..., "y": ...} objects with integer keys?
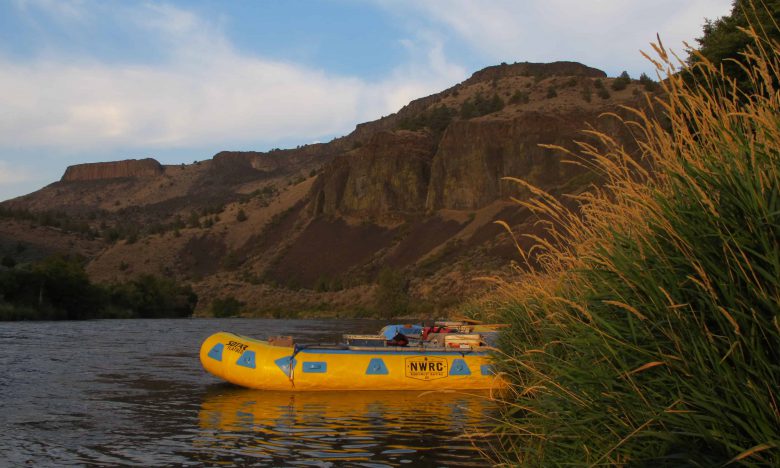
[{"x": 311, "y": 228}]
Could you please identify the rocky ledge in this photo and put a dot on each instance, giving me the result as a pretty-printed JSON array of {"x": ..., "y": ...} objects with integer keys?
[{"x": 137, "y": 168}]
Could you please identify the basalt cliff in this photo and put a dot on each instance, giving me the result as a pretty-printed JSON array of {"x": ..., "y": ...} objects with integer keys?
[
  {"x": 312, "y": 228},
  {"x": 133, "y": 168}
]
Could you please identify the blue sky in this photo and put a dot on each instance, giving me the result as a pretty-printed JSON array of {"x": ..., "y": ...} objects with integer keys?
[{"x": 102, "y": 80}]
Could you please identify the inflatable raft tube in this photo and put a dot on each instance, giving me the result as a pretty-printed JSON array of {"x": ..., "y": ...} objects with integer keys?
[{"x": 257, "y": 364}]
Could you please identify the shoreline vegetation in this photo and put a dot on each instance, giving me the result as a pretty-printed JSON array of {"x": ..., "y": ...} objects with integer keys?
[
  {"x": 58, "y": 288},
  {"x": 646, "y": 330}
]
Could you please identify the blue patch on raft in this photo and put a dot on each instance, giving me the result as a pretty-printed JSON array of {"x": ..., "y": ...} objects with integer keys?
[
  {"x": 459, "y": 367},
  {"x": 486, "y": 369},
  {"x": 377, "y": 367},
  {"x": 283, "y": 363},
  {"x": 315, "y": 367},
  {"x": 216, "y": 352},
  {"x": 247, "y": 359}
]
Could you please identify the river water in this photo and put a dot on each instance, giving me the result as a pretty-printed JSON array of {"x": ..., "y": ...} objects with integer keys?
[{"x": 133, "y": 393}]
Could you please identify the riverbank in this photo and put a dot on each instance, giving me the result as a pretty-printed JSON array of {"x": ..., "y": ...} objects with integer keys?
[{"x": 58, "y": 288}]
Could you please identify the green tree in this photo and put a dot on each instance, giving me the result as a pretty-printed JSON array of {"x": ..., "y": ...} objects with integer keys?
[
  {"x": 519, "y": 97},
  {"x": 439, "y": 118},
  {"x": 648, "y": 83},
  {"x": 226, "y": 306},
  {"x": 587, "y": 92},
  {"x": 132, "y": 237},
  {"x": 57, "y": 288},
  {"x": 65, "y": 284},
  {"x": 194, "y": 219},
  {"x": 149, "y": 296},
  {"x": 392, "y": 293},
  {"x": 621, "y": 82},
  {"x": 322, "y": 284},
  {"x": 479, "y": 106},
  {"x": 8, "y": 261},
  {"x": 724, "y": 42},
  {"x": 467, "y": 110}
]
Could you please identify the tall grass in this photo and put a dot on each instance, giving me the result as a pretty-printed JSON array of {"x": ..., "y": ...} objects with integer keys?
[{"x": 647, "y": 332}]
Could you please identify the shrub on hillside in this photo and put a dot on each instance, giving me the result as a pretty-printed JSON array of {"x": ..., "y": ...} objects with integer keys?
[
  {"x": 226, "y": 307},
  {"x": 621, "y": 82},
  {"x": 436, "y": 119},
  {"x": 479, "y": 106},
  {"x": 132, "y": 237},
  {"x": 392, "y": 293},
  {"x": 519, "y": 97},
  {"x": 648, "y": 83},
  {"x": 232, "y": 260},
  {"x": 587, "y": 92},
  {"x": 194, "y": 219}
]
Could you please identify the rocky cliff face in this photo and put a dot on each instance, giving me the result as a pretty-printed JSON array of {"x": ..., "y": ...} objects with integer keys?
[
  {"x": 411, "y": 172},
  {"x": 389, "y": 173},
  {"x": 254, "y": 160},
  {"x": 137, "y": 168},
  {"x": 474, "y": 156},
  {"x": 463, "y": 166},
  {"x": 287, "y": 160}
]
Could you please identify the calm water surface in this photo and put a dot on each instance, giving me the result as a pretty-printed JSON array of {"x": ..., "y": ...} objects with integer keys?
[{"x": 132, "y": 392}]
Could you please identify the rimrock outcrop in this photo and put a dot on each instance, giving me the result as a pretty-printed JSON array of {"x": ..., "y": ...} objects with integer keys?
[
  {"x": 389, "y": 173},
  {"x": 137, "y": 168}
]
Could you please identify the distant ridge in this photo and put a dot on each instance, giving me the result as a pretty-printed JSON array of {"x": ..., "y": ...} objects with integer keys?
[
  {"x": 541, "y": 70},
  {"x": 311, "y": 228}
]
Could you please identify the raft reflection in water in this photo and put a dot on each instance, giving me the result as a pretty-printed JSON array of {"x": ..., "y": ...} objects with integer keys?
[{"x": 381, "y": 427}]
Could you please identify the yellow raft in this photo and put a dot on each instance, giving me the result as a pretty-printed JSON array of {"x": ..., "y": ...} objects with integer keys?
[{"x": 258, "y": 364}]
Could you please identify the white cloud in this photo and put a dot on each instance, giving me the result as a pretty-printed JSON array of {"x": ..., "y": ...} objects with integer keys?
[
  {"x": 603, "y": 33},
  {"x": 428, "y": 71},
  {"x": 201, "y": 91},
  {"x": 204, "y": 92}
]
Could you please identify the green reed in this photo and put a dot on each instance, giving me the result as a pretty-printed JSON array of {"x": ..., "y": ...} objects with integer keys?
[{"x": 648, "y": 329}]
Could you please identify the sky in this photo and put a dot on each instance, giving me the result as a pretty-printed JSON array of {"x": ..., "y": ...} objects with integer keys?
[{"x": 104, "y": 80}]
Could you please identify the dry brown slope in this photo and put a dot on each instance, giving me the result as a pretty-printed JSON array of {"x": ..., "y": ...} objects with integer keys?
[{"x": 418, "y": 198}]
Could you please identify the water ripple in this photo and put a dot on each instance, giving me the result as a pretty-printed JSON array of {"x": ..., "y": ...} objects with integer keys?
[{"x": 132, "y": 393}]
